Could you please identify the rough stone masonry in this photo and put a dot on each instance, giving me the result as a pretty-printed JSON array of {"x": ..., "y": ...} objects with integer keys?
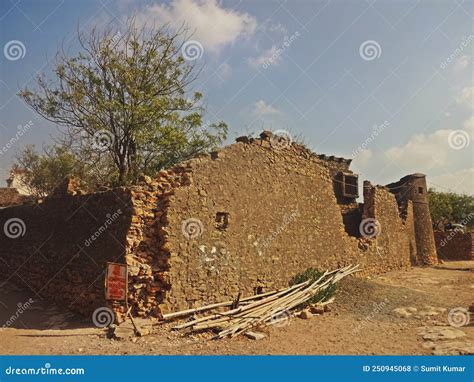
[{"x": 243, "y": 219}]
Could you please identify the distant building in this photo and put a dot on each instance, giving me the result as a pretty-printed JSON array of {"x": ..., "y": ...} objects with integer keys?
[
  {"x": 15, "y": 193},
  {"x": 16, "y": 180}
]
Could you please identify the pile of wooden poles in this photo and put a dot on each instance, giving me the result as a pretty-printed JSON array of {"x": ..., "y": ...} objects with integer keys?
[{"x": 259, "y": 310}]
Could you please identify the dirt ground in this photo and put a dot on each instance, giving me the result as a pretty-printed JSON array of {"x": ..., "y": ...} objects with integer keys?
[{"x": 396, "y": 313}]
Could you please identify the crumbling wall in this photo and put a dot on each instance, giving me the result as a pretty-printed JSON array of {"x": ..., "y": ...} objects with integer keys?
[
  {"x": 244, "y": 219},
  {"x": 254, "y": 215},
  {"x": 392, "y": 237},
  {"x": 454, "y": 245},
  {"x": 147, "y": 251},
  {"x": 11, "y": 197},
  {"x": 59, "y": 248}
]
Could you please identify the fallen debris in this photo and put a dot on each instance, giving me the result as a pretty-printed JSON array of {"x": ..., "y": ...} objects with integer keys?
[
  {"x": 306, "y": 314},
  {"x": 440, "y": 333},
  {"x": 255, "y": 335},
  {"x": 264, "y": 309},
  {"x": 140, "y": 327},
  {"x": 453, "y": 348}
]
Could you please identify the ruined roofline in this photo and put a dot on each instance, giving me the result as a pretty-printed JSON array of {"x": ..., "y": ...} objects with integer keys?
[
  {"x": 369, "y": 184},
  {"x": 399, "y": 183},
  {"x": 269, "y": 136},
  {"x": 334, "y": 159}
]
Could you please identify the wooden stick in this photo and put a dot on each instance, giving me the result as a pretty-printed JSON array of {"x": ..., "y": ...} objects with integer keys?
[
  {"x": 263, "y": 311},
  {"x": 187, "y": 312},
  {"x": 241, "y": 308}
]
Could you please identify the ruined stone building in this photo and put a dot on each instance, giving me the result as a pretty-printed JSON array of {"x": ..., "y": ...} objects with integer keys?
[{"x": 244, "y": 219}]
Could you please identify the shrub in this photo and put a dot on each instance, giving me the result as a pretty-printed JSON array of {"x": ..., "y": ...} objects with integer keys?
[{"x": 313, "y": 275}]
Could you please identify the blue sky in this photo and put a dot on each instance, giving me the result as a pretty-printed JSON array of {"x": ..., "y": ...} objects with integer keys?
[{"x": 389, "y": 83}]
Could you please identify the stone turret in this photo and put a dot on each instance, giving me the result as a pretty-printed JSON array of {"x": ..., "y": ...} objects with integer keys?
[{"x": 413, "y": 187}]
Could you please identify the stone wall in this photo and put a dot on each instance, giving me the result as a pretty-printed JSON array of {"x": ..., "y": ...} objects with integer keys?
[
  {"x": 395, "y": 242},
  {"x": 147, "y": 250},
  {"x": 263, "y": 214},
  {"x": 11, "y": 197},
  {"x": 59, "y": 248},
  {"x": 454, "y": 245},
  {"x": 244, "y": 219}
]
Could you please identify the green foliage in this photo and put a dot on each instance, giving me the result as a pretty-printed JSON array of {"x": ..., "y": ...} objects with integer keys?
[
  {"x": 448, "y": 207},
  {"x": 313, "y": 275},
  {"x": 129, "y": 90},
  {"x": 42, "y": 172}
]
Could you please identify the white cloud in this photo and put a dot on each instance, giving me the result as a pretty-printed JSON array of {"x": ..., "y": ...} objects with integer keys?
[
  {"x": 444, "y": 155},
  {"x": 266, "y": 58},
  {"x": 461, "y": 182},
  {"x": 363, "y": 158},
  {"x": 273, "y": 56},
  {"x": 468, "y": 125},
  {"x": 213, "y": 25},
  {"x": 430, "y": 152},
  {"x": 462, "y": 63},
  {"x": 467, "y": 96},
  {"x": 261, "y": 109}
]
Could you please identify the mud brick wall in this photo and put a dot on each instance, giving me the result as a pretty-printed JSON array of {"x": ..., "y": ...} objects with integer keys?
[
  {"x": 147, "y": 252},
  {"x": 244, "y": 219},
  {"x": 11, "y": 196},
  {"x": 454, "y": 245},
  {"x": 254, "y": 215},
  {"x": 395, "y": 246},
  {"x": 59, "y": 248}
]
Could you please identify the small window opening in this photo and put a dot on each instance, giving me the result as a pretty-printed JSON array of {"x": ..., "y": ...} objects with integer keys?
[
  {"x": 420, "y": 190},
  {"x": 349, "y": 185}
]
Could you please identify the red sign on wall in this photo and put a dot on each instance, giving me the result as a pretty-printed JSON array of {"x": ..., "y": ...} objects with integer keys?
[{"x": 116, "y": 282}]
